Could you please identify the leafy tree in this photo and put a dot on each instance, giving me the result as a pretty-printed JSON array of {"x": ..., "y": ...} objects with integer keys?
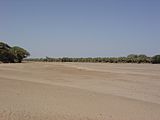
[
  {"x": 132, "y": 56},
  {"x": 12, "y": 54},
  {"x": 19, "y": 53},
  {"x": 143, "y": 56},
  {"x": 4, "y": 46},
  {"x": 156, "y": 59},
  {"x": 5, "y": 53}
]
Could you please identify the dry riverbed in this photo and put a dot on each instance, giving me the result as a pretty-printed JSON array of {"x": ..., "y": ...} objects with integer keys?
[{"x": 79, "y": 91}]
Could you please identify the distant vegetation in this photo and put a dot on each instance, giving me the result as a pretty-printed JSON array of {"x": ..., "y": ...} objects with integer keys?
[
  {"x": 16, "y": 54},
  {"x": 156, "y": 59},
  {"x": 10, "y": 54},
  {"x": 132, "y": 58}
]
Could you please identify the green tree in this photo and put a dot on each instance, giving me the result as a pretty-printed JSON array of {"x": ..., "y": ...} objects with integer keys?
[
  {"x": 143, "y": 56},
  {"x": 6, "y": 55},
  {"x": 19, "y": 53},
  {"x": 156, "y": 59},
  {"x": 132, "y": 56}
]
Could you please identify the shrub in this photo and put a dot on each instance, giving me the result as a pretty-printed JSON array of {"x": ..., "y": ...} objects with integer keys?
[{"x": 156, "y": 59}]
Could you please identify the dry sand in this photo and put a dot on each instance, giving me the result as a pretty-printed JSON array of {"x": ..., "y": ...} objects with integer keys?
[{"x": 79, "y": 91}]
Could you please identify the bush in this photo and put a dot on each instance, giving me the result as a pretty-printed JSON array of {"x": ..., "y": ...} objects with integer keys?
[
  {"x": 12, "y": 54},
  {"x": 156, "y": 59}
]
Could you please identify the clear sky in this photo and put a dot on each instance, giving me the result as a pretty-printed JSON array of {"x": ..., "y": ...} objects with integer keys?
[{"x": 81, "y": 28}]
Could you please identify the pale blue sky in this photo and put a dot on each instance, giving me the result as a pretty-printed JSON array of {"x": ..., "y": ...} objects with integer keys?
[{"x": 81, "y": 28}]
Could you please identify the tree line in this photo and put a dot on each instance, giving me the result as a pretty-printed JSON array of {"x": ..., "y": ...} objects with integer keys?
[
  {"x": 16, "y": 54},
  {"x": 132, "y": 58},
  {"x": 13, "y": 54}
]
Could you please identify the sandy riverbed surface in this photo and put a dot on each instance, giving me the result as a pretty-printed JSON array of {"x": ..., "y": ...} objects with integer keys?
[{"x": 79, "y": 91}]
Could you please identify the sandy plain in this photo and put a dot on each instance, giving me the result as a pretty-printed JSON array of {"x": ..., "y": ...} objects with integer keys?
[{"x": 79, "y": 91}]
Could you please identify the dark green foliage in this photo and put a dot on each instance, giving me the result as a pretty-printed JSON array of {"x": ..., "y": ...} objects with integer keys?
[
  {"x": 5, "y": 53},
  {"x": 156, "y": 59},
  {"x": 4, "y": 46},
  {"x": 132, "y": 56},
  {"x": 12, "y": 54},
  {"x": 19, "y": 53},
  {"x": 129, "y": 59}
]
